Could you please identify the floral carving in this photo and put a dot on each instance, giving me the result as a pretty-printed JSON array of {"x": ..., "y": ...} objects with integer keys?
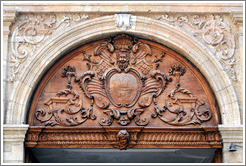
[
  {"x": 182, "y": 103},
  {"x": 72, "y": 107},
  {"x": 215, "y": 32},
  {"x": 123, "y": 83},
  {"x": 30, "y": 33}
]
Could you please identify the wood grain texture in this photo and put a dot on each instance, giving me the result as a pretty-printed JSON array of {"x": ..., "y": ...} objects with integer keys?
[{"x": 123, "y": 92}]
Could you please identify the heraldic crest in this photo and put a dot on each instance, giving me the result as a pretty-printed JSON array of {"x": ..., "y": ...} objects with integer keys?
[{"x": 122, "y": 82}]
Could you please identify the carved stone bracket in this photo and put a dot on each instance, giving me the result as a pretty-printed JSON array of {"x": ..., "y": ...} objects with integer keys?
[
  {"x": 30, "y": 32},
  {"x": 214, "y": 32}
]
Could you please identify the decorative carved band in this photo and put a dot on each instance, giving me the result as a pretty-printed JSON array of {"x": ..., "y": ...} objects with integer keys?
[{"x": 123, "y": 138}]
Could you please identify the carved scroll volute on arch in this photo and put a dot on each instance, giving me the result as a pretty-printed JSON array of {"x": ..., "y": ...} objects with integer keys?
[{"x": 181, "y": 103}]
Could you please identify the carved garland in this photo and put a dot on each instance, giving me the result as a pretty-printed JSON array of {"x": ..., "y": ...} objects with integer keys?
[{"x": 122, "y": 83}]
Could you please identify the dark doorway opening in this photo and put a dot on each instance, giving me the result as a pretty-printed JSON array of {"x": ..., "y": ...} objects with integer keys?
[{"x": 74, "y": 155}]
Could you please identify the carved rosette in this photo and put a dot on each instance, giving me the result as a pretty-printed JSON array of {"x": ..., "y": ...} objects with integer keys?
[{"x": 122, "y": 83}]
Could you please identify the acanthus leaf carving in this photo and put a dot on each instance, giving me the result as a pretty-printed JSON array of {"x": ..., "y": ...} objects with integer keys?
[
  {"x": 124, "y": 117},
  {"x": 57, "y": 106},
  {"x": 181, "y": 103},
  {"x": 214, "y": 31},
  {"x": 33, "y": 30},
  {"x": 123, "y": 89}
]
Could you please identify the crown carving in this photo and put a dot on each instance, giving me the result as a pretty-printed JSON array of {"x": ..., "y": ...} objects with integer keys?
[{"x": 123, "y": 42}]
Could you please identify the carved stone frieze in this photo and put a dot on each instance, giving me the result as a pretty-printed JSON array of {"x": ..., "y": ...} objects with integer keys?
[
  {"x": 214, "y": 32},
  {"x": 31, "y": 31}
]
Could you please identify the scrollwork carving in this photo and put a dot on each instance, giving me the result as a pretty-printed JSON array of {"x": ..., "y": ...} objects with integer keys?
[
  {"x": 122, "y": 77},
  {"x": 124, "y": 117},
  {"x": 27, "y": 36},
  {"x": 182, "y": 103},
  {"x": 76, "y": 114},
  {"x": 123, "y": 89},
  {"x": 214, "y": 31}
]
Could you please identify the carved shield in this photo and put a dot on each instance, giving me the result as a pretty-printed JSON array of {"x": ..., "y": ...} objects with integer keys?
[{"x": 123, "y": 89}]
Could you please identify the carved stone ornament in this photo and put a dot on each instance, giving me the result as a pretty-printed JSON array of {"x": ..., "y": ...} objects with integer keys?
[
  {"x": 123, "y": 21},
  {"x": 31, "y": 31},
  {"x": 215, "y": 32},
  {"x": 122, "y": 83}
]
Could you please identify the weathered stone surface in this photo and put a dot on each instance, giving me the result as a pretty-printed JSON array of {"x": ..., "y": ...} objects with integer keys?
[{"x": 80, "y": 23}]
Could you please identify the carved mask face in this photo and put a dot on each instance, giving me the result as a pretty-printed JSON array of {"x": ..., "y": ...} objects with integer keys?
[{"x": 123, "y": 58}]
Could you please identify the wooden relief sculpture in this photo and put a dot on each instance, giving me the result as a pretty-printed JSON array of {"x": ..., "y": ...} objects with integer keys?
[
  {"x": 123, "y": 139},
  {"x": 175, "y": 104},
  {"x": 122, "y": 80},
  {"x": 123, "y": 92}
]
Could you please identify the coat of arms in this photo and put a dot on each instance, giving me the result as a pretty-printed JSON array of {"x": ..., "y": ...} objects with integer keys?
[{"x": 122, "y": 82}]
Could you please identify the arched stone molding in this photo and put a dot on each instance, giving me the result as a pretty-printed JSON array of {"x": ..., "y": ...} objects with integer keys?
[{"x": 148, "y": 28}]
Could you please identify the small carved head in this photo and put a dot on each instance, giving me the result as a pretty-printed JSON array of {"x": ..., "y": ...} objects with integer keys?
[
  {"x": 123, "y": 59},
  {"x": 123, "y": 137}
]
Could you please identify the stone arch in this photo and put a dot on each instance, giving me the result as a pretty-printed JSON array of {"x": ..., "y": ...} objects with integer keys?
[{"x": 173, "y": 37}]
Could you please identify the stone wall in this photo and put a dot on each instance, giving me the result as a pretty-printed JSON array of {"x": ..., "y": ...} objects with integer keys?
[{"x": 210, "y": 35}]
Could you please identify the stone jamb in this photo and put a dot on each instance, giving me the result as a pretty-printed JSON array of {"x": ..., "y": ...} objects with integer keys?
[
  {"x": 13, "y": 142},
  {"x": 232, "y": 134}
]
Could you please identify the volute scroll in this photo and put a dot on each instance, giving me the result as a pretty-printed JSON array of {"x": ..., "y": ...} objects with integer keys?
[{"x": 127, "y": 82}]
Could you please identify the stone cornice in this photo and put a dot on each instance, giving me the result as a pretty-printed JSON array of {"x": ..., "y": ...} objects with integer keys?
[
  {"x": 237, "y": 17},
  {"x": 14, "y": 133},
  {"x": 231, "y": 134},
  {"x": 9, "y": 17},
  {"x": 130, "y": 7}
]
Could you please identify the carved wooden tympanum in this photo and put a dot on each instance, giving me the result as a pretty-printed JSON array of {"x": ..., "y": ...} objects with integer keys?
[{"x": 120, "y": 83}]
